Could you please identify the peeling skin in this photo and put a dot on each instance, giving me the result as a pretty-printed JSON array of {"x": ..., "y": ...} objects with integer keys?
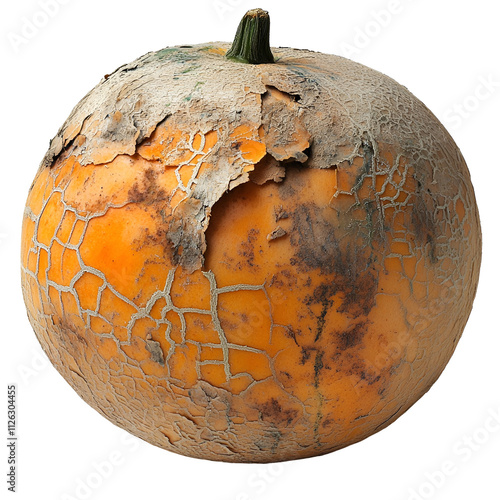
[
  {"x": 281, "y": 107},
  {"x": 267, "y": 169},
  {"x": 278, "y": 232},
  {"x": 250, "y": 263},
  {"x": 157, "y": 354}
]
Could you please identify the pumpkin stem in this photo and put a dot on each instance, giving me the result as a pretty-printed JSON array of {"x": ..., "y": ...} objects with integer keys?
[{"x": 251, "y": 43}]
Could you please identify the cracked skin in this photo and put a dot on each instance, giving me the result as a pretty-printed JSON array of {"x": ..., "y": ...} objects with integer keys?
[{"x": 265, "y": 270}]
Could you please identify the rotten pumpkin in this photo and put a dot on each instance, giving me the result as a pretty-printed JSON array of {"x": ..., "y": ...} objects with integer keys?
[{"x": 249, "y": 255}]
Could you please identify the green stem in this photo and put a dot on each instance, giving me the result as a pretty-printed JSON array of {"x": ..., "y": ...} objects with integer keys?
[{"x": 251, "y": 43}]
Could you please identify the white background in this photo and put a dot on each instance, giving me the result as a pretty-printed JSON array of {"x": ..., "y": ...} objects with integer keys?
[{"x": 446, "y": 53}]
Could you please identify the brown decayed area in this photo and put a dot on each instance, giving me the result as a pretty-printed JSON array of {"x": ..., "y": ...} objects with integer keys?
[{"x": 250, "y": 291}]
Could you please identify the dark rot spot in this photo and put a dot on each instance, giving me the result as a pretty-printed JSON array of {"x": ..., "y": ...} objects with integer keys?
[
  {"x": 423, "y": 218},
  {"x": 322, "y": 295},
  {"x": 273, "y": 410},
  {"x": 359, "y": 295},
  {"x": 318, "y": 366},
  {"x": 328, "y": 422},
  {"x": 423, "y": 221},
  {"x": 148, "y": 191},
  {"x": 314, "y": 238},
  {"x": 284, "y": 279},
  {"x": 314, "y": 235},
  {"x": 156, "y": 351},
  {"x": 292, "y": 334},
  {"x": 370, "y": 378},
  {"x": 305, "y": 354},
  {"x": 247, "y": 248},
  {"x": 352, "y": 337}
]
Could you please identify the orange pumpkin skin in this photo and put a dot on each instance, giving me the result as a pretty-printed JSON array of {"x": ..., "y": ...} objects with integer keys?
[{"x": 266, "y": 271}]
